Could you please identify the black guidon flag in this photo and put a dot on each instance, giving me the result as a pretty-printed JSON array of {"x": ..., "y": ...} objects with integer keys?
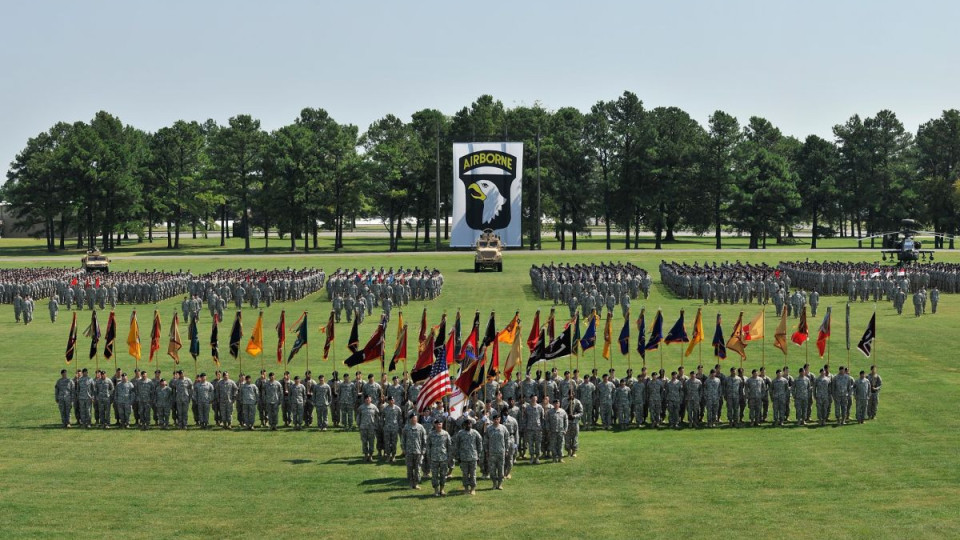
[
  {"x": 866, "y": 342},
  {"x": 561, "y": 346}
]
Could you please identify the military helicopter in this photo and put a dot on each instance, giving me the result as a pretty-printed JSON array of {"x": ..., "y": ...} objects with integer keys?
[{"x": 905, "y": 250}]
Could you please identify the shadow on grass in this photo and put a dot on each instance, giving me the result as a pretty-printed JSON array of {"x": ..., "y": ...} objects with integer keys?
[{"x": 298, "y": 461}]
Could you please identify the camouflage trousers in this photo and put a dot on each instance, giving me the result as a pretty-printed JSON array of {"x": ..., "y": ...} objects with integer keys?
[
  {"x": 640, "y": 413},
  {"x": 801, "y": 406},
  {"x": 203, "y": 413},
  {"x": 606, "y": 414},
  {"x": 413, "y": 467},
  {"x": 843, "y": 408},
  {"x": 368, "y": 440},
  {"x": 85, "y": 412},
  {"x": 144, "y": 414},
  {"x": 64, "y": 407},
  {"x": 872, "y": 404},
  {"x": 390, "y": 443},
  {"x": 656, "y": 414},
  {"x": 733, "y": 409},
  {"x": 124, "y": 417},
  {"x": 249, "y": 414},
  {"x": 226, "y": 413},
  {"x": 823, "y": 409},
  {"x": 321, "y": 416},
  {"x": 469, "y": 470},
  {"x": 673, "y": 409},
  {"x": 862, "y": 409},
  {"x": 534, "y": 437},
  {"x": 297, "y": 413},
  {"x": 163, "y": 416},
  {"x": 346, "y": 417},
  {"x": 273, "y": 410},
  {"x": 693, "y": 412},
  {"x": 496, "y": 466},
  {"x": 780, "y": 409},
  {"x": 756, "y": 412},
  {"x": 713, "y": 410},
  {"x": 438, "y": 473},
  {"x": 589, "y": 417},
  {"x": 103, "y": 413},
  {"x": 572, "y": 438},
  {"x": 556, "y": 444}
]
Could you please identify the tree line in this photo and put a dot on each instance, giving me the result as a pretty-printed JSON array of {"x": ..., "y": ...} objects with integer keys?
[{"x": 621, "y": 165}]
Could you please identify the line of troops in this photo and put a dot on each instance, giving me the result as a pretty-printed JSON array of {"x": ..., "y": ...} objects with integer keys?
[
  {"x": 39, "y": 282},
  {"x": 725, "y": 283},
  {"x": 358, "y": 292},
  {"x": 591, "y": 286},
  {"x": 504, "y": 426},
  {"x": 866, "y": 281},
  {"x": 698, "y": 400}
]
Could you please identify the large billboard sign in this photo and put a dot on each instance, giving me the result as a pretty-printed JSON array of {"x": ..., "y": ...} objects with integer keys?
[{"x": 487, "y": 181}]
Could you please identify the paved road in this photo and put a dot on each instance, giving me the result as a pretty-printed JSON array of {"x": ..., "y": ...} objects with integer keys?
[{"x": 665, "y": 253}]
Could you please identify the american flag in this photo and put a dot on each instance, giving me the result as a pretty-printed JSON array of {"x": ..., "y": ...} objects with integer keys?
[{"x": 437, "y": 385}]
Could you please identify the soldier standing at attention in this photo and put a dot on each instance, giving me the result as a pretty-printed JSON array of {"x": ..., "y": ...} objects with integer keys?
[
  {"x": 104, "y": 387},
  {"x": 297, "y": 397},
  {"x": 367, "y": 419},
  {"x": 861, "y": 391},
  {"x": 532, "y": 424},
  {"x": 711, "y": 391},
  {"x": 391, "y": 416},
  {"x": 249, "y": 396},
  {"x": 694, "y": 397},
  {"x": 63, "y": 393},
  {"x": 875, "y": 383},
  {"x": 124, "y": 397},
  {"x": 272, "y": 395},
  {"x": 414, "y": 444},
  {"x": 261, "y": 404},
  {"x": 227, "y": 395},
  {"x": 801, "y": 396},
  {"x": 574, "y": 412},
  {"x": 557, "y": 425},
  {"x": 439, "y": 453},
  {"x": 163, "y": 398},
  {"x": 347, "y": 401},
  {"x": 780, "y": 391},
  {"x": 203, "y": 396},
  {"x": 321, "y": 400},
  {"x": 822, "y": 394},
  {"x": 85, "y": 393},
  {"x": 54, "y": 307},
  {"x": 468, "y": 450},
  {"x": 496, "y": 441},
  {"x": 145, "y": 393},
  {"x": 934, "y": 300}
]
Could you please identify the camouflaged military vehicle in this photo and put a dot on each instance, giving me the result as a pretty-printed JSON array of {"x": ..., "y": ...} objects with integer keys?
[
  {"x": 489, "y": 252},
  {"x": 94, "y": 261}
]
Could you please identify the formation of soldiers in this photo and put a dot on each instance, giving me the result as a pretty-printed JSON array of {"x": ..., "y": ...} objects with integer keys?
[
  {"x": 591, "y": 286},
  {"x": 33, "y": 282},
  {"x": 136, "y": 287},
  {"x": 698, "y": 400},
  {"x": 726, "y": 283},
  {"x": 358, "y": 292},
  {"x": 866, "y": 282},
  {"x": 253, "y": 288}
]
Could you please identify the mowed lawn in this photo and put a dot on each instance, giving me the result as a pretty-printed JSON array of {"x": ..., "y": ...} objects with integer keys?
[{"x": 895, "y": 477}]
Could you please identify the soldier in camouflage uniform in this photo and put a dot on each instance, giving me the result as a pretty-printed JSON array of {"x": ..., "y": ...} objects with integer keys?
[
  {"x": 574, "y": 412},
  {"x": 712, "y": 391},
  {"x": 163, "y": 398},
  {"x": 391, "y": 418},
  {"x": 875, "y": 383},
  {"x": 227, "y": 396},
  {"x": 532, "y": 425},
  {"x": 297, "y": 398},
  {"x": 368, "y": 417},
  {"x": 439, "y": 453},
  {"x": 123, "y": 394},
  {"x": 145, "y": 393},
  {"x": 496, "y": 441},
  {"x": 557, "y": 425},
  {"x": 414, "y": 444},
  {"x": 64, "y": 394},
  {"x": 249, "y": 397},
  {"x": 321, "y": 401},
  {"x": 780, "y": 392},
  {"x": 861, "y": 391},
  {"x": 468, "y": 450},
  {"x": 272, "y": 396},
  {"x": 203, "y": 397}
]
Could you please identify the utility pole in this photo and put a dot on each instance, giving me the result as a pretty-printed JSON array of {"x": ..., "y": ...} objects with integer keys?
[
  {"x": 539, "y": 223},
  {"x": 437, "y": 235}
]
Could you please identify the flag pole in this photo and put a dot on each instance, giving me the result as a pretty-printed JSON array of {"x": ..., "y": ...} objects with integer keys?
[
  {"x": 763, "y": 341},
  {"x": 875, "y": 333},
  {"x": 308, "y": 341},
  {"x": 261, "y": 338}
]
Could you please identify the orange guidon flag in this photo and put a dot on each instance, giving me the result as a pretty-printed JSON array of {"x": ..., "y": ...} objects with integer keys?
[{"x": 255, "y": 345}]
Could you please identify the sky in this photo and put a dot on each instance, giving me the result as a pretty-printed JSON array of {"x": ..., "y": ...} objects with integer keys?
[{"x": 805, "y": 65}]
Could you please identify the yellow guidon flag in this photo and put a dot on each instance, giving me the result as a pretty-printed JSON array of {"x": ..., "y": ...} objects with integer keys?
[
  {"x": 607, "y": 336},
  {"x": 780, "y": 334},
  {"x": 133, "y": 338},
  {"x": 255, "y": 345},
  {"x": 697, "y": 333},
  {"x": 754, "y": 330},
  {"x": 173, "y": 348},
  {"x": 509, "y": 334}
]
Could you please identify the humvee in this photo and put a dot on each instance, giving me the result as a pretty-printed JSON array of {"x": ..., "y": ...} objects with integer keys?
[
  {"x": 94, "y": 261},
  {"x": 489, "y": 252}
]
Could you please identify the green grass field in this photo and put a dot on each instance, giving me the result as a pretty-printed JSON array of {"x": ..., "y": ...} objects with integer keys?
[{"x": 895, "y": 477}]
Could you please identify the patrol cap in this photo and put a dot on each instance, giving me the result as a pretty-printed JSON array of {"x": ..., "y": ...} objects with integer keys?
[
  {"x": 410, "y": 414},
  {"x": 156, "y": 372},
  {"x": 84, "y": 370},
  {"x": 203, "y": 373},
  {"x": 494, "y": 414},
  {"x": 467, "y": 420},
  {"x": 438, "y": 420}
]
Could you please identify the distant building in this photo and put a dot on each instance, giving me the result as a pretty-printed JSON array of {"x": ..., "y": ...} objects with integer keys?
[{"x": 13, "y": 227}]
